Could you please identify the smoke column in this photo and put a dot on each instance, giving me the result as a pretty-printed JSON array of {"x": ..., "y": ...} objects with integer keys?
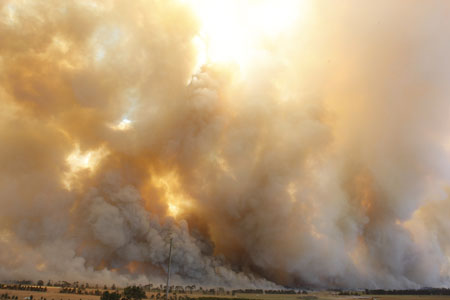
[{"x": 319, "y": 156}]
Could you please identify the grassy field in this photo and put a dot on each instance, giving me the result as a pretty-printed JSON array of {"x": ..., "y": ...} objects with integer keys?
[
  {"x": 329, "y": 296},
  {"x": 53, "y": 294}
]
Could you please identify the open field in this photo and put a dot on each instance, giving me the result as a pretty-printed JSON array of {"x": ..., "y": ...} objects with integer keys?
[
  {"x": 407, "y": 297},
  {"x": 329, "y": 296},
  {"x": 53, "y": 294}
]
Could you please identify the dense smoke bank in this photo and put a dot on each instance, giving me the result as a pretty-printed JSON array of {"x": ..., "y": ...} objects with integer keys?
[{"x": 323, "y": 161}]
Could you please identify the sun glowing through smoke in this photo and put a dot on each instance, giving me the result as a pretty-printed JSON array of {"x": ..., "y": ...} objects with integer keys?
[
  {"x": 170, "y": 188},
  {"x": 173, "y": 210},
  {"x": 234, "y": 31},
  {"x": 123, "y": 125},
  {"x": 79, "y": 161}
]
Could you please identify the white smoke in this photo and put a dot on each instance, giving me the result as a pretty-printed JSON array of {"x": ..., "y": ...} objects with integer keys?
[{"x": 325, "y": 163}]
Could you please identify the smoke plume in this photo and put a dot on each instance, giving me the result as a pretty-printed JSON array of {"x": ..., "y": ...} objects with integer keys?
[{"x": 323, "y": 161}]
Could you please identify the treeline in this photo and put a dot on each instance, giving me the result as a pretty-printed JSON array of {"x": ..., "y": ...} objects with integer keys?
[
  {"x": 298, "y": 292},
  {"x": 419, "y": 292},
  {"x": 349, "y": 293},
  {"x": 189, "y": 289},
  {"x": 76, "y": 284},
  {"x": 79, "y": 291},
  {"x": 96, "y": 290},
  {"x": 21, "y": 287},
  {"x": 260, "y": 291},
  {"x": 26, "y": 282},
  {"x": 220, "y": 291}
]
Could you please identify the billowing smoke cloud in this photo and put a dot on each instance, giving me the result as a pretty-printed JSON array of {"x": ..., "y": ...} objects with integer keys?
[{"x": 324, "y": 163}]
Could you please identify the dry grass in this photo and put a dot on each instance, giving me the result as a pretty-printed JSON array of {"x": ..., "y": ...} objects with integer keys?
[{"x": 53, "y": 294}]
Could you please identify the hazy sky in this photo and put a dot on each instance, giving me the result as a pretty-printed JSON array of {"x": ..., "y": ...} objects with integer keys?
[{"x": 300, "y": 143}]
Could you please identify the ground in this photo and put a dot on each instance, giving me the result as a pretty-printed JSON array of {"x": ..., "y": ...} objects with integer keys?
[{"x": 53, "y": 294}]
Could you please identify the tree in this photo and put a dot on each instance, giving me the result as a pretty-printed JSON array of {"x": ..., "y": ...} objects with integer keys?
[
  {"x": 110, "y": 296},
  {"x": 40, "y": 283},
  {"x": 134, "y": 293}
]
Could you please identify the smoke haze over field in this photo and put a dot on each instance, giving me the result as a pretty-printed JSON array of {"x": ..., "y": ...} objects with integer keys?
[{"x": 313, "y": 151}]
